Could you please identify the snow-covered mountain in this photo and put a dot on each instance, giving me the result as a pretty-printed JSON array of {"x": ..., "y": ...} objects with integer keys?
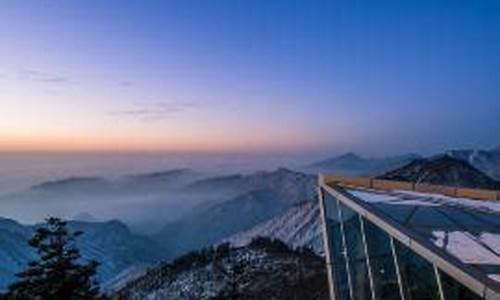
[
  {"x": 299, "y": 226},
  {"x": 443, "y": 170},
  {"x": 110, "y": 243},
  {"x": 351, "y": 164},
  {"x": 264, "y": 269},
  {"x": 263, "y": 195}
]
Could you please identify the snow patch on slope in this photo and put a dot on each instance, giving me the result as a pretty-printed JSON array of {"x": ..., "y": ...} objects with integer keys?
[
  {"x": 124, "y": 277},
  {"x": 299, "y": 226}
]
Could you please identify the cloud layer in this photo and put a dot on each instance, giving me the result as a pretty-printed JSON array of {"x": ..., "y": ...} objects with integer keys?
[
  {"x": 154, "y": 111},
  {"x": 42, "y": 76}
]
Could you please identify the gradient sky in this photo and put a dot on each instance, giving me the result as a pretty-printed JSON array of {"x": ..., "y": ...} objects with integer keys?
[{"x": 249, "y": 76}]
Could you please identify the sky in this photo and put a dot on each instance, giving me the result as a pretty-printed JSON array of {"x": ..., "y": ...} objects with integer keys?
[{"x": 374, "y": 77}]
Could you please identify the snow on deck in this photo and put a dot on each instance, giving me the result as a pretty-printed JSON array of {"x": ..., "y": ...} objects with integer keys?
[
  {"x": 467, "y": 229},
  {"x": 412, "y": 198}
]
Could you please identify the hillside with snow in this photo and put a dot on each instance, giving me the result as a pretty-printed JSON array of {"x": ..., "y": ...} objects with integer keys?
[{"x": 487, "y": 161}]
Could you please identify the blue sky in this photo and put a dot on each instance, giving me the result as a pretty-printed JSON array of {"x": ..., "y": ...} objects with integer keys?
[{"x": 249, "y": 76}]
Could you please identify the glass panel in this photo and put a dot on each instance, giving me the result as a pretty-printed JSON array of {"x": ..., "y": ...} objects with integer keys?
[
  {"x": 453, "y": 289},
  {"x": 336, "y": 247},
  {"x": 397, "y": 212},
  {"x": 429, "y": 216},
  {"x": 385, "y": 280},
  {"x": 355, "y": 253},
  {"x": 417, "y": 275},
  {"x": 341, "y": 280}
]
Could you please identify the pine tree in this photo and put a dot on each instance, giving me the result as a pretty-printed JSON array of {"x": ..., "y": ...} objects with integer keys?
[{"x": 58, "y": 274}]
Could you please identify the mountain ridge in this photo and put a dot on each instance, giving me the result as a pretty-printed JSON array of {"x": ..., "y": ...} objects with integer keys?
[
  {"x": 442, "y": 170},
  {"x": 351, "y": 164},
  {"x": 69, "y": 183}
]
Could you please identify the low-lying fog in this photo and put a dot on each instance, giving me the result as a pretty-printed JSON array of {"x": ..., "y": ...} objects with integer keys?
[{"x": 135, "y": 188}]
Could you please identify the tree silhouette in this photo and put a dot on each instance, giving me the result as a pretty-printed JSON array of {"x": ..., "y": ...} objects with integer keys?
[{"x": 58, "y": 274}]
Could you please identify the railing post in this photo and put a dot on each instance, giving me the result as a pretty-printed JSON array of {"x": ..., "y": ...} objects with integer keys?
[{"x": 398, "y": 270}]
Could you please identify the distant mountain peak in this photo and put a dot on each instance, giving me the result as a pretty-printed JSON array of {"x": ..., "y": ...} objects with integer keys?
[
  {"x": 85, "y": 217},
  {"x": 283, "y": 170},
  {"x": 350, "y": 155},
  {"x": 346, "y": 158},
  {"x": 167, "y": 173},
  {"x": 352, "y": 164}
]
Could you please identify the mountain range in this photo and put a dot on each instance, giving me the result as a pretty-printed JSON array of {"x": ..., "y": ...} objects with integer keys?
[
  {"x": 236, "y": 203},
  {"x": 237, "y": 208},
  {"x": 351, "y": 164},
  {"x": 145, "y": 201}
]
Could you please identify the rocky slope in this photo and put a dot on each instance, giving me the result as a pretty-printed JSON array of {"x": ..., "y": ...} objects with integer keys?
[{"x": 264, "y": 269}]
